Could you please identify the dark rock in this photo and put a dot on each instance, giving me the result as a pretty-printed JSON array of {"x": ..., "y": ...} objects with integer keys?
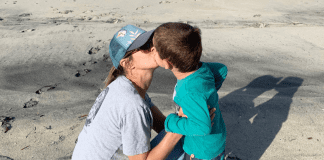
[{"x": 78, "y": 74}]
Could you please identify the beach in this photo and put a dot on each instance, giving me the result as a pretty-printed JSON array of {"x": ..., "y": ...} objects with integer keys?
[{"x": 54, "y": 58}]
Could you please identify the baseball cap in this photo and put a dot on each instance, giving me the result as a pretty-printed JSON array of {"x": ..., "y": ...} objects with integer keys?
[{"x": 126, "y": 39}]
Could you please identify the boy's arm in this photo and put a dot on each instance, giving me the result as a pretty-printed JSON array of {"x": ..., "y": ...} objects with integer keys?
[
  {"x": 220, "y": 72},
  {"x": 158, "y": 119},
  {"x": 198, "y": 121}
]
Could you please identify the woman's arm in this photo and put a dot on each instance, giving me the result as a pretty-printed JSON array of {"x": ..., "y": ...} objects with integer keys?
[
  {"x": 164, "y": 148},
  {"x": 158, "y": 119}
]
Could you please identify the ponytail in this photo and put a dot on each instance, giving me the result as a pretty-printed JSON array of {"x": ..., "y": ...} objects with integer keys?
[{"x": 113, "y": 74}]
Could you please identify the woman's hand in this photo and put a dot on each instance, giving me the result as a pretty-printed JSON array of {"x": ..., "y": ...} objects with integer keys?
[
  {"x": 180, "y": 114},
  {"x": 211, "y": 113}
]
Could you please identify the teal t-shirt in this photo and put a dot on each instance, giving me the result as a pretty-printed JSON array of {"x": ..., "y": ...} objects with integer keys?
[{"x": 193, "y": 94}]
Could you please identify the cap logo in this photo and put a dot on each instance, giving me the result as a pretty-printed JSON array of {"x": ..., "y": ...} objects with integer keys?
[
  {"x": 121, "y": 33},
  {"x": 135, "y": 35}
]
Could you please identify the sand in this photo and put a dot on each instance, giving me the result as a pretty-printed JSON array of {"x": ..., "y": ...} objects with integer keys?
[{"x": 54, "y": 58}]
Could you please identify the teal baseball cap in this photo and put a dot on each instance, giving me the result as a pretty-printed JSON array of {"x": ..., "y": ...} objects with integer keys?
[{"x": 126, "y": 39}]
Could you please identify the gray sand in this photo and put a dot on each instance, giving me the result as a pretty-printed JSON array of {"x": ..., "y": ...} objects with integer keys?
[{"x": 54, "y": 58}]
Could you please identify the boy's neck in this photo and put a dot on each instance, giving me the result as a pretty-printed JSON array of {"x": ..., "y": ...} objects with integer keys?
[{"x": 181, "y": 75}]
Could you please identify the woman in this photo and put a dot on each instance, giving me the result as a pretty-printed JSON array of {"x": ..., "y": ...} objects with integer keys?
[{"x": 122, "y": 116}]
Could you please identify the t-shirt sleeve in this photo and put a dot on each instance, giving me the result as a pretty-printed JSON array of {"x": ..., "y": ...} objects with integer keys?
[
  {"x": 194, "y": 106},
  {"x": 136, "y": 131},
  {"x": 148, "y": 100},
  {"x": 219, "y": 71}
]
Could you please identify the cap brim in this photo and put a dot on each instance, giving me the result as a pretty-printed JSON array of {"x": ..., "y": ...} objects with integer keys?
[{"x": 140, "y": 40}]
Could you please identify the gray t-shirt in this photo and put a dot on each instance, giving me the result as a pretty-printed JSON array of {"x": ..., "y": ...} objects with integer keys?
[{"x": 119, "y": 122}]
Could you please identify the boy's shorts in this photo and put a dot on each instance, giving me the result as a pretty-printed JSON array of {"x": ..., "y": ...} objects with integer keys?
[{"x": 219, "y": 157}]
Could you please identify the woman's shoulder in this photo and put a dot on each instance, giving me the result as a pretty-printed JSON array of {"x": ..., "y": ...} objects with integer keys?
[{"x": 124, "y": 94}]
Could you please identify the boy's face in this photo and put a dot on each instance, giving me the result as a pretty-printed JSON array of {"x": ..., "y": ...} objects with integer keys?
[{"x": 161, "y": 62}]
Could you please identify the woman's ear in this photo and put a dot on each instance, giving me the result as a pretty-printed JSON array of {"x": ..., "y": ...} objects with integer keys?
[
  {"x": 153, "y": 50},
  {"x": 126, "y": 63},
  {"x": 123, "y": 62}
]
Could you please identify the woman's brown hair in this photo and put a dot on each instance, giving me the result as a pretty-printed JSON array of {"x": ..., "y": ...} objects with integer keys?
[{"x": 115, "y": 72}]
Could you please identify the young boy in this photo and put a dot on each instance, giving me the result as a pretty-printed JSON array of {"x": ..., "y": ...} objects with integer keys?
[{"x": 178, "y": 48}]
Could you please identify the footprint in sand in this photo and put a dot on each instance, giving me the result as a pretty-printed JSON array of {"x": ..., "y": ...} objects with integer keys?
[
  {"x": 88, "y": 11},
  {"x": 164, "y": 2},
  {"x": 94, "y": 50},
  {"x": 105, "y": 57},
  {"x": 233, "y": 158},
  {"x": 5, "y": 123},
  {"x": 186, "y": 22},
  {"x": 5, "y": 158},
  {"x": 25, "y": 15},
  {"x": 66, "y": 12},
  {"x": 142, "y": 7},
  {"x": 27, "y": 30},
  {"x": 30, "y": 103},
  {"x": 260, "y": 25},
  {"x": 46, "y": 88},
  {"x": 82, "y": 73},
  {"x": 60, "y": 139},
  {"x": 91, "y": 62},
  {"x": 114, "y": 20}
]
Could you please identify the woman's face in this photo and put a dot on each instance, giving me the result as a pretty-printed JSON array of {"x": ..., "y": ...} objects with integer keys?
[{"x": 144, "y": 60}]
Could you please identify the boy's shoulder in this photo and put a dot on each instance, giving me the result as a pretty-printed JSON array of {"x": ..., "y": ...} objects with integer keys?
[
  {"x": 203, "y": 80},
  {"x": 200, "y": 81}
]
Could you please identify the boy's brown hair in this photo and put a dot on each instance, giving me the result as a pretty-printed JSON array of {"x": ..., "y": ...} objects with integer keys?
[{"x": 180, "y": 44}]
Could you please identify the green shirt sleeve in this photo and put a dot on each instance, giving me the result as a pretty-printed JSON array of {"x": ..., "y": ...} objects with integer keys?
[
  {"x": 220, "y": 72},
  {"x": 194, "y": 106}
]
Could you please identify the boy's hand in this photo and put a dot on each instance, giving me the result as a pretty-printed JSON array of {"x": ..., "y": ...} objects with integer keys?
[{"x": 211, "y": 113}]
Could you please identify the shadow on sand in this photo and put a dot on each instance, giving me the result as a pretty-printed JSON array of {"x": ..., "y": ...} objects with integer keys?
[{"x": 251, "y": 128}]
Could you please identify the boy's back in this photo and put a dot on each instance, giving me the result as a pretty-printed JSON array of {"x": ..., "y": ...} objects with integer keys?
[
  {"x": 178, "y": 47},
  {"x": 193, "y": 94}
]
